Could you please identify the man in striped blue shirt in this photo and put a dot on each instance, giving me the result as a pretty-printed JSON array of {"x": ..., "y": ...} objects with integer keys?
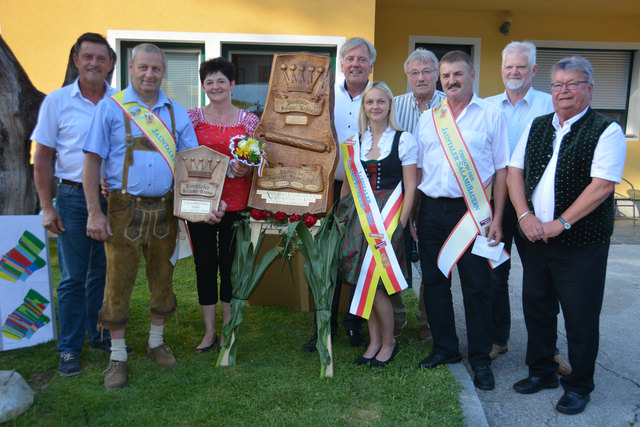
[
  {"x": 422, "y": 74},
  {"x": 421, "y": 68}
]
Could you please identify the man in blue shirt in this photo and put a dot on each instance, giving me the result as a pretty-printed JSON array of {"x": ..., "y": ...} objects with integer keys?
[
  {"x": 63, "y": 122},
  {"x": 520, "y": 103},
  {"x": 139, "y": 173}
]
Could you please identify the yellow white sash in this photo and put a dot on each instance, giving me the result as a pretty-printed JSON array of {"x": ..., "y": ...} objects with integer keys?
[
  {"x": 151, "y": 126},
  {"x": 479, "y": 216},
  {"x": 380, "y": 261}
]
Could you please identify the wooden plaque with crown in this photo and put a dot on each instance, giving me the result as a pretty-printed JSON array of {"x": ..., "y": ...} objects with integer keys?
[
  {"x": 199, "y": 178},
  {"x": 297, "y": 126}
]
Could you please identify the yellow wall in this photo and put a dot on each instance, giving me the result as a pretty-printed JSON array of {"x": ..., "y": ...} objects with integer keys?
[
  {"x": 41, "y": 32},
  {"x": 394, "y": 26}
]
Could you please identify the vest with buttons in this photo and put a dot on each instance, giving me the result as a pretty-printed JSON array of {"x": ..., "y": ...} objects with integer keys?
[
  {"x": 385, "y": 174},
  {"x": 573, "y": 174}
]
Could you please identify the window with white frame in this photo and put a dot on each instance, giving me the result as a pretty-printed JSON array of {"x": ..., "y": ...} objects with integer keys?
[
  {"x": 253, "y": 70},
  {"x": 181, "y": 82},
  {"x": 611, "y": 74},
  {"x": 616, "y": 67},
  {"x": 441, "y": 45},
  {"x": 252, "y": 54}
]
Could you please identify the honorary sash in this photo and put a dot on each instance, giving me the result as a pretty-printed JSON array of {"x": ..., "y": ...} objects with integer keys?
[
  {"x": 479, "y": 216},
  {"x": 151, "y": 126},
  {"x": 380, "y": 261}
]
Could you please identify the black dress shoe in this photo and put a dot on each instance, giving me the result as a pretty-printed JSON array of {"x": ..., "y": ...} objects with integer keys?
[
  {"x": 365, "y": 360},
  {"x": 356, "y": 338},
  {"x": 436, "y": 359},
  {"x": 200, "y": 350},
  {"x": 572, "y": 403},
  {"x": 483, "y": 378},
  {"x": 375, "y": 363},
  {"x": 310, "y": 346},
  {"x": 532, "y": 385}
]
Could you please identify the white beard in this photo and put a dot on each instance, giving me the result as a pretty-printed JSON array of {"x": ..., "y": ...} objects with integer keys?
[{"x": 514, "y": 84}]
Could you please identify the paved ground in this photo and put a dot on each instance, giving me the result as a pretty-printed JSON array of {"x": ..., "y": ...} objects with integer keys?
[{"x": 616, "y": 398}]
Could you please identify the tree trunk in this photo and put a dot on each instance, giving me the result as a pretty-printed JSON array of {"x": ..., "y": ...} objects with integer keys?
[{"x": 19, "y": 104}]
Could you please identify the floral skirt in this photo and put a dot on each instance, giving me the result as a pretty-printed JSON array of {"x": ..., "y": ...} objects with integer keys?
[{"x": 354, "y": 244}]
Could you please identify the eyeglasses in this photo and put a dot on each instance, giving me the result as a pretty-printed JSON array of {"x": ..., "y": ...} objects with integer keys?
[
  {"x": 557, "y": 87},
  {"x": 426, "y": 72}
]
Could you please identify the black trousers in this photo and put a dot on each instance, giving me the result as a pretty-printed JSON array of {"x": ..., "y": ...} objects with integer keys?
[
  {"x": 501, "y": 309},
  {"x": 574, "y": 279},
  {"x": 214, "y": 249},
  {"x": 436, "y": 220}
]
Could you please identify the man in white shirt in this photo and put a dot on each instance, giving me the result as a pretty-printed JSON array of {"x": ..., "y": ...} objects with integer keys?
[
  {"x": 561, "y": 180},
  {"x": 63, "y": 122},
  {"x": 357, "y": 56},
  {"x": 520, "y": 103},
  {"x": 481, "y": 155}
]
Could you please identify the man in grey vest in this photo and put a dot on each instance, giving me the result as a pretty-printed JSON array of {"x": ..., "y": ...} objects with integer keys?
[{"x": 561, "y": 180}]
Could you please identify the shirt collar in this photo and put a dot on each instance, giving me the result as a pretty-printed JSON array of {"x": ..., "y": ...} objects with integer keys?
[
  {"x": 475, "y": 99},
  {"x": 568, "y": 122},
  {"x": 528, "y": 97},
  {"x": 343, "y": 88},
  {"x": 130, "y": 95},
  {"x": 75, "y": 88}
]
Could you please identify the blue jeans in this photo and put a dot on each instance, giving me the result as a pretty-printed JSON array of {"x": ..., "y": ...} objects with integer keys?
[{"x": 83, "y": 268}]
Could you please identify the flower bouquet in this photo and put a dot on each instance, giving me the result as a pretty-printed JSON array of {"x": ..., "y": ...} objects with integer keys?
[
  {"x": 249, "y": 151},
  {"x": 246, "y": 272}
]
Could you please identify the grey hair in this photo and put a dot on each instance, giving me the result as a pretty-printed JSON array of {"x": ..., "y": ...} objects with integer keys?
[
  {"x": 421, "y": 55},
  {"x": 527, "y": 49},
  {"x": 363, "y": 120},
  {"x": 149, "y": 48},
  {"x": 574, "y": 63},
  {"x": 353, "y": 43}
]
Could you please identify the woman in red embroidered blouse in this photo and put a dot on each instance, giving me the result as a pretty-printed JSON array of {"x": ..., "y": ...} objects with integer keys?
[{"x": 215, "y": 124}]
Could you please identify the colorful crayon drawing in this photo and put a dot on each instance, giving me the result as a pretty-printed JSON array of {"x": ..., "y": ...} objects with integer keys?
[
  {"x": 23, "y": 260},
  {"x": 27, "y": 318}
]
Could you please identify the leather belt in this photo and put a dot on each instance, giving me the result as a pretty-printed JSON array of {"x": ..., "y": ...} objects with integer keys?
[{"x": 71, "y": 183}]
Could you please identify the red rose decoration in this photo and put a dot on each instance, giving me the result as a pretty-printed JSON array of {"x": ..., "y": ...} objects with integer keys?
[
  {"x": 309, "y": 220},
  {"x": 259, "y": 215},
  {"x": 294, "y": 218},
  {"x": 279, "y": 216}
]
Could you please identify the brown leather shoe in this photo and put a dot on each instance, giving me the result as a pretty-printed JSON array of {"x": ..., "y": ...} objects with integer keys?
[
  {"x": 162, "y": 355},
  {"x": 563, "y": 366},
  {"x": 425, "y": 333},
  {"x": 115, "y": 376},
  {"x": 498, "y": 349}
]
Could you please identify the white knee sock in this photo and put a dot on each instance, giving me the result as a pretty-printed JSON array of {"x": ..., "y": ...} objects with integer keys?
[
  {"x": 118, "y": 350},
  {"x": 155, "y": 336}
]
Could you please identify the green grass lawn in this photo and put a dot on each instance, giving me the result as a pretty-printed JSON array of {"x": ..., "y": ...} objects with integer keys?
[{"x": 274, "y": 382}]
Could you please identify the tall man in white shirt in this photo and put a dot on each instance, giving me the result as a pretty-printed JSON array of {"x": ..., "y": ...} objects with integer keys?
[
  {"x": 421, "y": 68},
  {"x": 520, "y": 103},
  {"x": 561, "y": 181},
  {"x": 357, "y": 56},
  {"x": 463, "y": 140},
  {"x": 63, "y": 122}
]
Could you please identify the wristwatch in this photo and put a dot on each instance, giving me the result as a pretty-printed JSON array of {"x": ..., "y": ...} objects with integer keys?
[{"x": 565, "y": 224}]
